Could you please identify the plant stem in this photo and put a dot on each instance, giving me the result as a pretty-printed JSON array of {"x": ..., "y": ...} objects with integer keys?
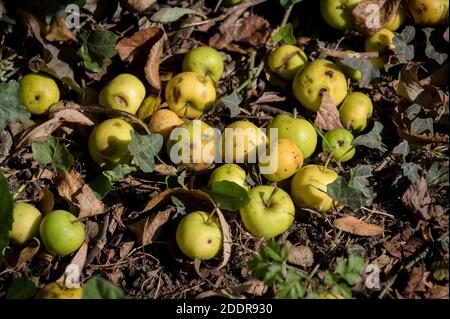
[{"x": 287, "y": 13}]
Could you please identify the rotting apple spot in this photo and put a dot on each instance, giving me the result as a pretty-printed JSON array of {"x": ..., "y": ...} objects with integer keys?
[
  {"x": 204, "y": 94},
  {"x": 176, "y": 94},
  {"x": 202, "y": 79},
  {"x": 329, "y": 73},
  {"x": 120, "y": 100}
]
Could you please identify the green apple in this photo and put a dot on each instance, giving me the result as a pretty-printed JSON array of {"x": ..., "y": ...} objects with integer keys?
[
  {"x": 26, "y": 220},
  {"x": 284, "y": 162},
  {"x": 192, "y": 145},
  {"x": 56, "y": 290},
  {"x": 190, "y": 95},
  {"x": 397, "y": 20},
  {"x": 205, "y": 61},
  {"x": 429, "y": 12},
  {"x": 164, "y": 121},
  {"x": 316, "y": 77},
  {"x": 309, "y": 187},
  {"x": 199, "y": 235},
  {"x": 355, "y": 111},
  {"x": 353, "y": 74},
  {"x": 382, "y": 41},
  {"x": 242, "y": 141},
  {"x": 286, "y": 60},
  {"x": 269, "y": 213},
  {"x": 39, "y": 92},
  {"x": 338, "y": 13},
  {"x": 108, "y": 143},
  {"x": 230, "y": 3},
  {"x": 124, "y": 93},
  {"x": 150, "y": 104},
  {"x": 339, "y": 143},
  {"x": 228, "y": 172},
  {"x": 297, "y": 130},
  {"x": 61, "y": 233}
]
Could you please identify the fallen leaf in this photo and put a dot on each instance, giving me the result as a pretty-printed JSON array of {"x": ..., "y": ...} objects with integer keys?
[
  {"x": 126, "y": 47},
  {"x": 58, "y": 31},
  {"x": 403, "y": 244},
  {"x": 408, "y": 85},
  {"x": 369, "y": 16},
  {"x": 327, "y": 117},
  {"x": 125, "y": 248},
  {"x": 252, "y": 287},
  {"x": 299, "y": 255},
  {"x": 147, "y": 230},
  {"x": 416, "y": 279},
  {"x": 140, "y": 5},
  {"x": 28, "y": 252},
  {"x": 355, "y": 226},
  {"x": 46, "y": 201},
  {"x": 419, "y": 201},
  {"x": 438, "y": 292},
  {"x": 76, "y": 265},
  {"x": 151, "y": 68},
  {"x": 6, "y": 143}
]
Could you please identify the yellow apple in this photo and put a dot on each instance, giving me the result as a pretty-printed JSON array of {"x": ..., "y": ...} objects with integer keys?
[
  {"x": 205, "y": 61},
  {"x": 397, "y": 20},
  {"x": 429, "y": 12},
  {"x": 338, "y": 13},
  {"x": 56, "y": 290},
  {"x": 286, "y": 60},
  {"x": 380, "y": 42},
  {"x": 164, "y": 121},
  {"x": 26, "y": 220},
  {"x": 39, "y": 92},
  {"x": 355, "y": 111},
  {"x": 228, "y": 172}
]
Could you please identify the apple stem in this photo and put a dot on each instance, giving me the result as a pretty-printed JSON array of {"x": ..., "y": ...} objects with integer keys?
[
  {"x": 210, "y": 216},
  {"x": 294, "y": 113},
  {"x": 269, "y": 202},
  {"x": 330, "y": 155}
]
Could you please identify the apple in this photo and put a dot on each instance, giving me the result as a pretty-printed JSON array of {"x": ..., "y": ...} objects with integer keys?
[
  {"x": 230, "y": 3},
  {"x": 297, "y": 130},
  {"x": 150, "y": 104},
  {"x": 429, "y": 12},
  {"x": 190, "y": 95},
  {"x": 56, "y": 290},
  {"x": 199, "y": 235},
  {"x": 316, "y": 77},
  {"x": 39, "y": 92},
  {"x": 286, "y": 60},
  {"x": 397, "y": 20},
  {"x": 355, "y": 111},
  {"x": 242, "y": 141},
  {"x": 26, "y": 220},
  {"x": 205, "y": 61},
  {"x": 338, "y": 13},
  {"x": 124, "y": 93},
  {"x": 61, "y": 233},
  {"x": 269, "y": 213},
  {"x": 228, "y": 172},
  {"x": 380, "y": 42},
  {"x": 330, "y": 295},
  {"x": 286, "y": 161},
  {"x": 353, "y": 74},
  {"x": 309, "y": 187},
  {"x": 192, "y": 145},
  {"x": 339, "y": 143},
  {"x": 108, "y": 143},
  {"x": 163, "y": 121}
]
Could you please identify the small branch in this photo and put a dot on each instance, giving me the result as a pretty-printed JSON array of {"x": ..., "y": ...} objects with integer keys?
[
  {"x": 347, "y": 54},
  {"x": 287, "y": 13}
]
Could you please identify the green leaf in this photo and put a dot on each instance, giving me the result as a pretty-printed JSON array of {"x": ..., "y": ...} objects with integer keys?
[
  {"x": 273, "y": 274},
  {"x": 231, "y": 102},
  {"x": 404, "y": 51},
  {"x": 411, "y": 170},
  {"x": 341, "y": 267},
  {"x": 329, "y": 278},
  {"x": 51, "y": 151},
  {"x": 144, "y": 148},
  {"x": 21, "y": 288},
  {"x": 402, "y": 148},
  {"x": 6, "y": 213},
  {"x": 367, "y": 69},
  {"x": 274, "y": 251},
  {"x": 360, "y": 180},
  {"x": 436, "y": 48},
  {"x": 285, "y": 34},
  {"x": 169, "y": 14},
  {"x": 102, "y": 185},
  {"x": 348, "y": 196},
  {"x": 372, "y": 139},
  {"x": 355, "y": 264},
  {"x": 437, "y": 173},
  {"x": 258, "y": 268},
  {"x": 229, "y": 195},
  {"x": 352, "y": 278},
  {"x": 100, "y": 288},
  {"x": 419, "y": 125},
  {"x": 97, "y": 46},
  {"x": 292, "y": 288},
  {"x": 11, "y": 108},
  {"x": 343, "y": 290},
  {"x": 287, "y": 3}
]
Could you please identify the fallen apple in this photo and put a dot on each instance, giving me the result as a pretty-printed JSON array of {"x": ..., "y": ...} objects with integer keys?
[
  {"x": 353, "y": 74},
  {"x": 355, "y": 111},
  {"x": 228, "y": 172},
  {"x": 124, "y": 93},
  {"x": 339, "y": 143},
  {"x": 199, "y": 235},
  {"x": 338, "y": 13},
  {"x": 163, "y": 122},
  {"x": 397, "y": 20},
  {"x": 309, "y": 187},
  {"x": 108, "y": 143},
  {"x": 286, "y": 60},
  {"x": 429, "y": 12},
  {"x": 61, "y": 233},
  {"x": 56, "y": 290},
  {"x": 205, "y": 61},
  {"x": 39, "y": 92},
  {"x": 26, "y": 220},
  {"x": 380, "y": 42},
  {"x": 269, "y": 213}
]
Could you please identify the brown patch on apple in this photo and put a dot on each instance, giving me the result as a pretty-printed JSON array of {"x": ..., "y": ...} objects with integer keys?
[{"x": 121, "y": 100}]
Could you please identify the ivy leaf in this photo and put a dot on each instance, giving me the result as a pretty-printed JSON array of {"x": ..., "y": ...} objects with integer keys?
[
  {"x": 404, "y": 51},
  {"x": 372, "y": 139},
  {"x": 11, "y": 108},
  {"x": 402, "y": 148},
  {"x": 21, "y": 288},
  {"x": 231, "y": 102},
  {"x": 6, "y": 213},
  {"x": 102, "y": 185},
  {"x": 437, "y": 173},
  {"x": 144, "y": 148},
  {"x": 285, "y": 34},
  {"x": 348, "y": 196},
  {"x": 411, "y": 170},
  {"x": 51, "y": 151},
  {"x": 96, "y": 47},
  {"x": 436, "y": 48},
  {"x": 169, "y": 14},
  {"x": 100, "y": 288},
  {"x": 360, "y": 180},
  {"x": 274, "y": 251},
  {"x": 287, "y": 3},
  {"x": 419, "y": 125},
  {"x": 367, "y": 69},
  {"x": 229, "y": 195}
]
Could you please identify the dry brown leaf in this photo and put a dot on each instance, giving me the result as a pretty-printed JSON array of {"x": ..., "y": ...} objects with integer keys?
[
  {"x": 58, "y": 31},
  {"x": 438, "y": 292},
  {"x": 151, "y": 68},
  {"x": 127, "y": 46},
  {"x": 139, "y": 5},
  {"x": 403, "y": 245},
  {"x": 252, "y": 287},
  {"x": 409, "y": 85},
  {"x": 327, "y": 117},
  {"x": 147, "y": 230},
  {"x": 299, "y": 255},
  {"x": 419, "y": 201},
  {"x": 416, "y": 280},
  {"x": 368, "y": 20},
  {"x": 28, "y": 252},
  {"x": 77, "y": 263},
  {"x": 80, "y": 195},
  {"x": 46, "y": 201},
  {"x": 6, "y": 143},
  {"x": 125, "y": 248},
  {"x": 355, "y": 226}
]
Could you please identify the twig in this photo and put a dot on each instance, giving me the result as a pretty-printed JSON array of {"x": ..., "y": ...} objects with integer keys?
[
  {"x": 347, "y": 54},
  {"x": 287, "y": 13},
  {"x": 378, "y": 212}
]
